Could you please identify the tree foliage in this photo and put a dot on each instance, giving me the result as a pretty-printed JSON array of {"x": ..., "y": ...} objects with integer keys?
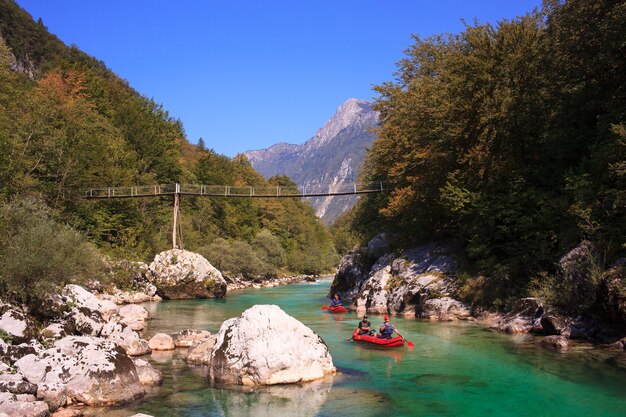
[
  {"x": 508, "y": 137},
  {"x": 38, "y": 256}
]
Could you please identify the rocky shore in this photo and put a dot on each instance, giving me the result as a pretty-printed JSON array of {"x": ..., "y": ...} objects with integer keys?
[
  {"x": 83, "y": 348},
  {"x": 239, "y": 283},
  {"x": 95, "y": 359},
  {"x": 425, "y": 282}
]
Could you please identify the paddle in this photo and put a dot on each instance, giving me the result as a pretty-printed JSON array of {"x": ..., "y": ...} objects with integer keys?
[
  {"x": 351, "y": 338},
  {"x": 409, "y": 344}
]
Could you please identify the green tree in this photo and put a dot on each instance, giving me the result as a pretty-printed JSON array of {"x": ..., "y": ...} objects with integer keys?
[{"x": 508, "y": 138}]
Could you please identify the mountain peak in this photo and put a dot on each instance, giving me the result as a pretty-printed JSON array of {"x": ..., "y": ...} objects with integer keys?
[
  {"x": 354, "y": 105},
  {"x": 332, "y": 156},
  {"x": 353, "y": 112}
]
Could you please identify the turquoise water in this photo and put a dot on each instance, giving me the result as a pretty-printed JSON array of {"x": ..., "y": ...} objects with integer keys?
[{"x": 455, "y": 369}]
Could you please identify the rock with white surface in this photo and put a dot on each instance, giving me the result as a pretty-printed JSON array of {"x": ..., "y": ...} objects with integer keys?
[{"x": 266, "y": 346}]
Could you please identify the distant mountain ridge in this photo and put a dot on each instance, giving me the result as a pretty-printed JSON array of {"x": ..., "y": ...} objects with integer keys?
[{"x": 331, "y": 157}]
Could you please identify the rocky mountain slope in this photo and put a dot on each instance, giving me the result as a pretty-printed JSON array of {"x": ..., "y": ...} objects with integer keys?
[{"x": 331, "y": 157}]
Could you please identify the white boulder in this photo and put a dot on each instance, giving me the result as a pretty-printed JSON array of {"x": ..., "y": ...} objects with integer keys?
[
  {"x": 180, "y": 274},
  {"x": 14, "y": 382},
  {"x": 85, "y": 321},
  {"x": 266, "y": 346},
  {"x": 375, "y": 291},
  {"x": 22, "y": 406},
  {"x": 128, "y": 339},
  {"x": 188, "y": 337},
  {"x": 378, "y": 246},
  {"x": 134, "y": 316},
  {"x": 20, "y": 326},
  {"x": 161, "y": 341},
  {"x": 417, "y": 283},
  {"x": 200, "y": 352},
  {"x": 445, "y": 309},
  {"x": 148, "y": 374},
  {"x": 83, "y": 298},
  {"x": 87, "y": 370}
]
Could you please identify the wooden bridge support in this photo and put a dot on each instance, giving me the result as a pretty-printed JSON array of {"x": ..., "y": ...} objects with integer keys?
[{"x": 176, "y": 208}]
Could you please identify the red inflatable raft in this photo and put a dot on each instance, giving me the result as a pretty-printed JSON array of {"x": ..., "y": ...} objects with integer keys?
[
  {"x": 393, "y": 342},
  {"x": 338, "y": 309}
]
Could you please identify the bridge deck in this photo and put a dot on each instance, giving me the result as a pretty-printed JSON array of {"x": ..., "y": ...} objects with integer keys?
[{"x": 233, "y": 191}]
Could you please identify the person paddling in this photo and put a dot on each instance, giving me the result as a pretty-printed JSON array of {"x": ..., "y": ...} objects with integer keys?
[
  {"x": 386, "y": 329},
  {"x": 336, "y": 301},
  {"x": 364, "y": 326}
]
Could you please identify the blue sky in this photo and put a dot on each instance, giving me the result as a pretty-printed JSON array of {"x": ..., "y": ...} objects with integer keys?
[{"x": 244, "y": 75}]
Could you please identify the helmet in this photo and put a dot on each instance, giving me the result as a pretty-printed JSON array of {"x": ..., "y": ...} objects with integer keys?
[
  {"x": 365, "y": 316},
  {"x": 386, "y": 318}
]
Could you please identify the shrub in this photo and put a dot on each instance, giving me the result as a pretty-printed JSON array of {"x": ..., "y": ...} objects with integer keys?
[
  {"x": 393, "y": 283},
  {"x": 124, "y": 274},
  {"x": 39, "y": 256},
  {"x": 574, "y": 287},
  {"x": 6, "y": 337},
  {"x": 235, "y": 257},
  {"x": 268, "y": 247}
]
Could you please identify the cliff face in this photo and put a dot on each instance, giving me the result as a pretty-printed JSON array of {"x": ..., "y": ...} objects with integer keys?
[{"x": 331, "y": 157}]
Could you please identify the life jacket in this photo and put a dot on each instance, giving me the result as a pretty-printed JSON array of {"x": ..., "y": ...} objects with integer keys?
[
  {"x": 364, "y": 323},
  {"x": 387, "y": 330}
]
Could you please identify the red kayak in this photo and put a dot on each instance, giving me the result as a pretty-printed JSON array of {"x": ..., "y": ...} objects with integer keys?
[
  {"x": 393, "y": 342},
  {"x": 338, "y": 309}
]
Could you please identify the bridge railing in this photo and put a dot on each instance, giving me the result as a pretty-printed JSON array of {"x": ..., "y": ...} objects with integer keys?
[
  {"x": 135, "y": 191},
  {"x": 234, "y": 191}
]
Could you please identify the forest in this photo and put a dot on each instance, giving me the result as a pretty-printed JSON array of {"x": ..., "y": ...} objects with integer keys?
[
  {"x": 510, "y": 139},
  {"x": 67, "y": 123}
]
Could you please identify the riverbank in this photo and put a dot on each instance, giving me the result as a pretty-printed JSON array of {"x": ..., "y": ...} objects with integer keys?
[
  {"x": 430, "y": 282},
  {"x": 236, "y": 283}
]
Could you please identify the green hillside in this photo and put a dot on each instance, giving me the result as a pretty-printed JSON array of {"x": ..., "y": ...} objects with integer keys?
[{"x": 68, "y": 123}]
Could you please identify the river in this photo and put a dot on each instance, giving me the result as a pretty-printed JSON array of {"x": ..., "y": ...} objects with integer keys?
[{"x": 455, "y": 369}]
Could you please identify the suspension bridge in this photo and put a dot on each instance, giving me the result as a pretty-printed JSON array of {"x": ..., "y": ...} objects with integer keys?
[
  {"x": 229, "y": 191},
  {"x": 235, "y": 191}
]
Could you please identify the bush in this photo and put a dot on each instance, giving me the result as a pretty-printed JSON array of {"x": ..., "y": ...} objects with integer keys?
[
  {"x": 6, "y": 337},
  {"x": 574, "y": 295},
  {"x": 125, "y": 275},
  {"x": 237, "y": 258},
  {"x": 268, "y": 247},
  {"x": 39, "y": 256}
]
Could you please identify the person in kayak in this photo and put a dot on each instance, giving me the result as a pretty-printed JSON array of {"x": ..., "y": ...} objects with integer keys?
[
  {"x": 364, "y": 326},
  {"x": 386, "y": 329},
  {"x": 335, "y": 302}
]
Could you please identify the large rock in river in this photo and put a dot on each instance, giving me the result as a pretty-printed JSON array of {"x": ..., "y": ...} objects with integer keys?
[
  {"x": 420, "y": 282},
  {"x": 180, "y": 274},
  {"x": 266, "y": 346}
]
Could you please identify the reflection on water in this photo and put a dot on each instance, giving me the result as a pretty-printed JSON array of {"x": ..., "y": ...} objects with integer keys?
[
  {"x": 455, "y": 369},
  {"x": 283, "y": 400}
]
